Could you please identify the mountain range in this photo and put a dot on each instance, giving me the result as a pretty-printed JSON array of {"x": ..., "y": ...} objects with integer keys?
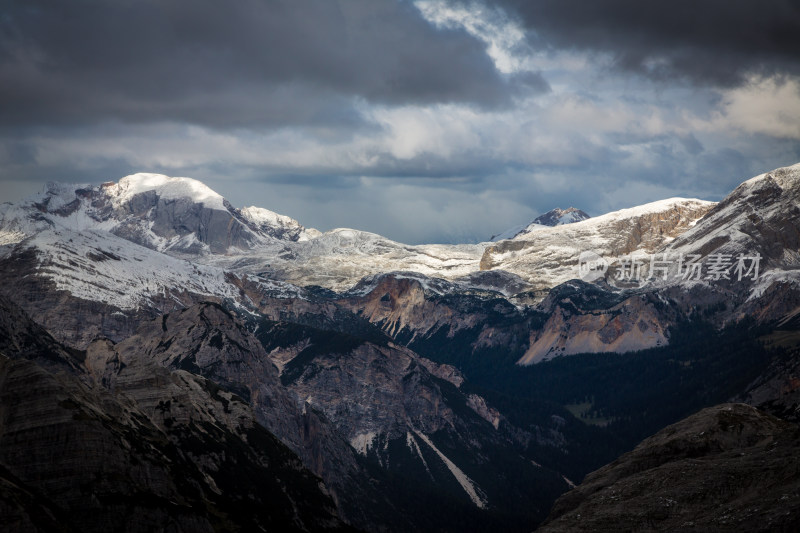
[{"x": 173, "y": 359}]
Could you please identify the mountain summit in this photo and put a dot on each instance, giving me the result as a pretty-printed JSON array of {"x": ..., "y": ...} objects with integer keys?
[
  {"x": 559, "y": 217},
  {"x": 554, "y": 217}
]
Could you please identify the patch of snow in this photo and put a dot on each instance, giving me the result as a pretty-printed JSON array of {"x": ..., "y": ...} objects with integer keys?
[
  {"x": 472, "y": 490},
  {"x": 363, "y": 442},
  {"x": 11, "y": 237},
  {"x": 411, "y": 442},
  {"x": 770, "y": 278}
]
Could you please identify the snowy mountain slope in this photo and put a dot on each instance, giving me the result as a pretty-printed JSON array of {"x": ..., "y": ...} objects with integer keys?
[
  {"x": 339, "y": 258},
  {"x": 74, "y": 233},
  {"x": 550, "y": 255},
  {"x": 83, "y": 284},
  {"x": 185, "y": 219},
  {"x": 177, "y": 215},
  {"x": 98, "y": 265},
  {"x": 554, "y": 217},
  {"x": 543, "y": 258},
  {"x": 747, "y": 250},
  {"x": 762, "y": 215},
  {"x": 165, "y": 188},
  {"x": 272, "y": 223}
]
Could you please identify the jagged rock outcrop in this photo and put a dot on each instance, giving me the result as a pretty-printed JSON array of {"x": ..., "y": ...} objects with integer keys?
[{"x": 584, "y": 318}]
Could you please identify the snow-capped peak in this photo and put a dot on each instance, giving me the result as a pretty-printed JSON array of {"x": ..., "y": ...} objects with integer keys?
[
  {"x": 554, "y": 217},
  {"x": 559, "y": 217},
  {"x": 166, "y": 188},
  {"x": 785, "y": 178}
]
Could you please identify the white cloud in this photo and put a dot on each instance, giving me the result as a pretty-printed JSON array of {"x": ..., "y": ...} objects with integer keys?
[
  {"x": 505, "y": 39},
  {"x": 768, "y": 106},
  {"x": 597, "y": 143}
]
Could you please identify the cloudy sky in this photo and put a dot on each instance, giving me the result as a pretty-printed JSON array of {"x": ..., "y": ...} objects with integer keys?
[{"x": 422, "y": 120}]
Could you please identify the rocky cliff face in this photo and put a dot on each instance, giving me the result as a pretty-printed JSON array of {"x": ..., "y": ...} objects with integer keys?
[
  {"x": 136, "y": 447},
  {"x": 207, "y": 340},
  {"x": 409, "y": 416},
  {"x": 575, "y": 317},
  {"x": 727, "y": 468},
  {"x": 347, "y": 406},
  {"x": 636, "y": 323}
]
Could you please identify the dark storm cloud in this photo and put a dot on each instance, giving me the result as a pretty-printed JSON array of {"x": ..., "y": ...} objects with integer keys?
[
  {"x": 244, "y": 63},
  {"x": 715, "y": 42}
]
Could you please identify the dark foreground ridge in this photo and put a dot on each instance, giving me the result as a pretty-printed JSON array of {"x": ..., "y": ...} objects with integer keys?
[{"x": 727, "y": 468}]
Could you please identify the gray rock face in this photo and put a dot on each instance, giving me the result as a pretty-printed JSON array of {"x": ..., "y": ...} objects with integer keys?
[
  {"x": 409, "y": 416},
  {"x": 77, "y": 321},
  {"x": 399, "y": 303},
  {"x": 219, "y": 230},
  {"x": 207, "y": 340},
  {"x": 726, "y": 468},
  {"x": 586, "y": 319},
  {"x": 135, "y": 446}
]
